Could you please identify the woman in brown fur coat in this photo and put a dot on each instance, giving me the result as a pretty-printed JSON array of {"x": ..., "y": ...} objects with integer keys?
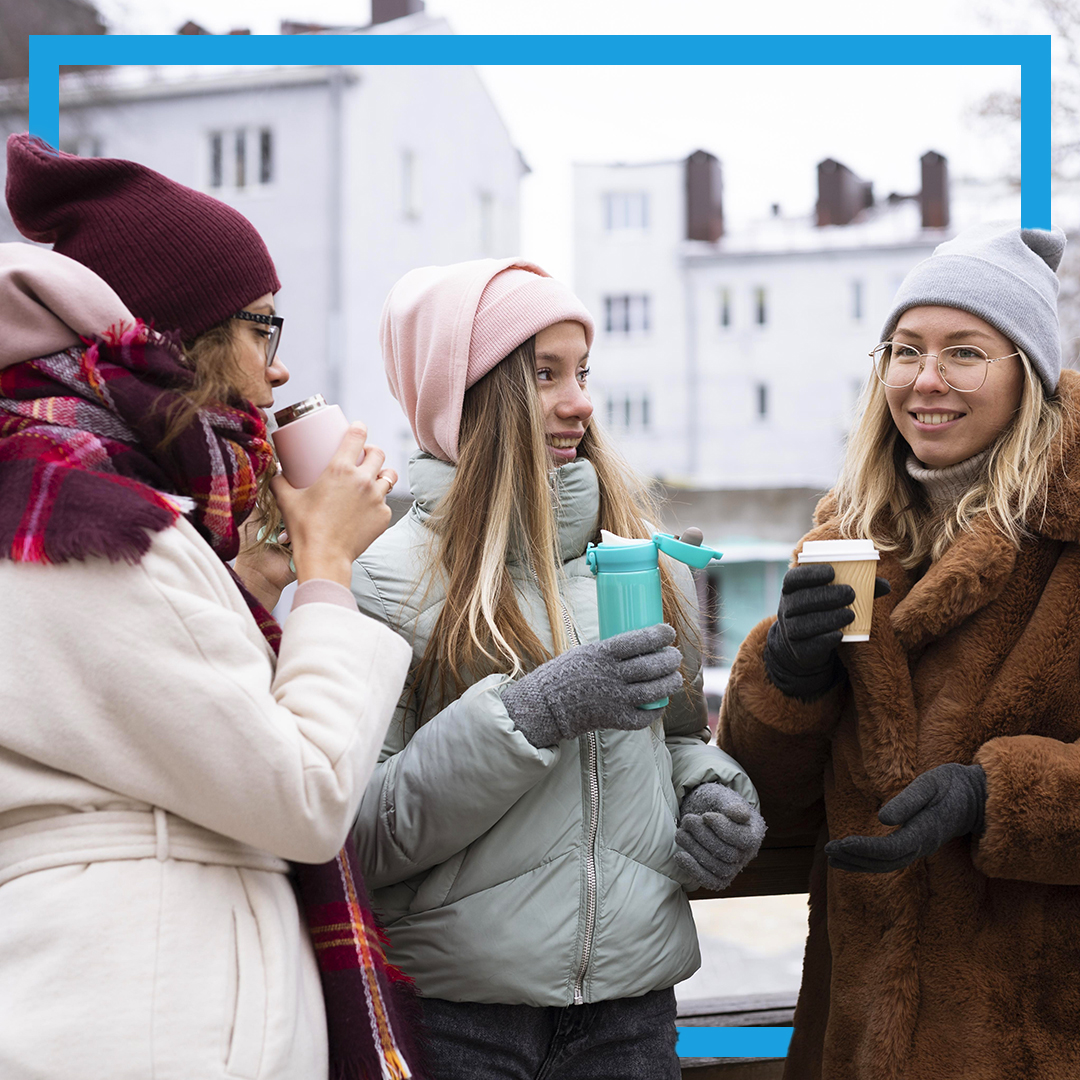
[{"x": 939, "y": 759}]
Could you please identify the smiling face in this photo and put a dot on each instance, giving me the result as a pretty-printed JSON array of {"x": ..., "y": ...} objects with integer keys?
[
  {"x": 941, "y": 425},
  {"x": 257, "y": 381},
  {"x": 562, "y": 371}
]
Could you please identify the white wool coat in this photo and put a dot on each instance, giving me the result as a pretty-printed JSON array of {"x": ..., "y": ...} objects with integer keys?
[{"x": 157, "y": 768}]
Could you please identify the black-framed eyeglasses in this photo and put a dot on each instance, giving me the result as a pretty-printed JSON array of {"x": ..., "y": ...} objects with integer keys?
[
  {"x": 275, "y": 322},
  {"x": 963, "y": 367}
]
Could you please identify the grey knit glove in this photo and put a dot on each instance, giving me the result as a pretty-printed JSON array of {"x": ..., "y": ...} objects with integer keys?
[
  {"x": 937, "y": 806},
  {"x": 718, "y": 834},
  {"x": 800, "y": 651},
  {"x": 595, "y": 686}
]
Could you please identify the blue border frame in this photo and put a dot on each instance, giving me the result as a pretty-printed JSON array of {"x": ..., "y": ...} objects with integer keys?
[
  {"x": 751, "y": 1042},
  {"x": 1030, "y": 52}
]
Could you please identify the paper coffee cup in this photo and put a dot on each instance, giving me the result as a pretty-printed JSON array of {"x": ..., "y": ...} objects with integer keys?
[{"x": 854, "y": 563}]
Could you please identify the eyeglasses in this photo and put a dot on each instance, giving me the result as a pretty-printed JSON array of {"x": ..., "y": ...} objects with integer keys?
[
  {"x": 963, "y": 367},
  {"x": 275, "y": 322}
]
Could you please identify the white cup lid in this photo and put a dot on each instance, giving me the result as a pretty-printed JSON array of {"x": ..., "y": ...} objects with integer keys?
[{"x": 838, "y": 551}]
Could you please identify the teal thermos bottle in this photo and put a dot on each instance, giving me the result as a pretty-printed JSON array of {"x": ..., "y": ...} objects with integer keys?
[{"x": 628, "y": 595}]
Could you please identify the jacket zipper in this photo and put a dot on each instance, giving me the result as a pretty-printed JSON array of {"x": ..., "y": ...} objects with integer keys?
[
  {"x": 592, "y": 755},
  {"x": 590, "y": 865}
]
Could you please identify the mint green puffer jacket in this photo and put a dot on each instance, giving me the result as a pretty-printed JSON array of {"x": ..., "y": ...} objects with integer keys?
[{"x": 504, "y": 873}]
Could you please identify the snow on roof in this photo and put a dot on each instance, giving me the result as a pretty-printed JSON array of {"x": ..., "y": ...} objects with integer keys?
[{"x": 885, "y": 225}]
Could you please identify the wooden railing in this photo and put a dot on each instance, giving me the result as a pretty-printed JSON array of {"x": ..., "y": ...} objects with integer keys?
[{"x": 782, "y": 866}]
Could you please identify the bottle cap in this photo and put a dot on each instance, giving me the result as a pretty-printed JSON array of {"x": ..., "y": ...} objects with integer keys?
[
  {"x": 695, "y": 555},
  {"x": 301, "y": 408}
]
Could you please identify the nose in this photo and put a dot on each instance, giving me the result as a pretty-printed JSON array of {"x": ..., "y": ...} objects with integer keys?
[
  {"x": 929, "y": 380},
  {"x": 574, "y": 403},
  {"x": 277, "y": 374}
]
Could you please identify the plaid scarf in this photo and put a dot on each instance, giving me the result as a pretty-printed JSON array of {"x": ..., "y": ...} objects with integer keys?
[{"x": 82, "y": 474}]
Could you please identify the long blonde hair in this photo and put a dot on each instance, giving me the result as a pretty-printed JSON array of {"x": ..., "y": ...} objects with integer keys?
[
  {"x": 878, "y": 500},
  {"x": 501, "y": 504}
]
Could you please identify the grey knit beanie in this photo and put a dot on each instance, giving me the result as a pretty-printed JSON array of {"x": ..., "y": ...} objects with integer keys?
[{"x": 1003, "y": 274}]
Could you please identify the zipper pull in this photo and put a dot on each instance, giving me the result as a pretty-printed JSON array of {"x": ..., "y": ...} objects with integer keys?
[{"x": 578, "y": 999}]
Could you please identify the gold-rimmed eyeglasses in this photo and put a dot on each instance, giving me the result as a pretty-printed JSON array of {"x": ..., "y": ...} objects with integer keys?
[{"x": 963, "y": 367}]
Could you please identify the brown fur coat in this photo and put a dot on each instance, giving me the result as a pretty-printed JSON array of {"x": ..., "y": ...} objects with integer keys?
[{"x": 966, "y": 963}]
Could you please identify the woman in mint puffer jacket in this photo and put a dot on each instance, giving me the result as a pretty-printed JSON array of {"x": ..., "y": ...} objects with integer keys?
[{"x": 530, "y": 833}]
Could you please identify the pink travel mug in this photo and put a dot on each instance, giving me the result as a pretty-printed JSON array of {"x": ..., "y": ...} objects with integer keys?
[{"x": 308, "y": 434}]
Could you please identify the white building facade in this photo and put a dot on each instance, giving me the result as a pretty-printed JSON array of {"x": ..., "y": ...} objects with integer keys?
[
  {"x": 740, "y": 362},
  {"x": 352, "y": 175}
]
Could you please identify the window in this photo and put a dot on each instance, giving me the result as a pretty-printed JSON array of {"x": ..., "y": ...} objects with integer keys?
[
  {"x": 725, "y": 307},
  {"x": 410, "y": 185},
  {"x": 761, "y": 311},
  {"x": 627, "y": 313},
  {"x": 242, "y": 158},
  {"x": 856, "y": 299},
  {"x": 266, "y": 156},
  {"x": 629, "y": 412},
  {"x": 215, "y": 160},
  {"x": 761, "y": 397},
  {"x": 625, "y": 210}
]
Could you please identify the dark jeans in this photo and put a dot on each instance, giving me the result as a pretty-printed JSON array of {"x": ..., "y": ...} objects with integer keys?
[{"x": 625, "y": 1039}]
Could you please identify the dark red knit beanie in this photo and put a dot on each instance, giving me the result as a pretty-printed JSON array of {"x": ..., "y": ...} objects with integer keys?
[{"x": 178, "y": 258}]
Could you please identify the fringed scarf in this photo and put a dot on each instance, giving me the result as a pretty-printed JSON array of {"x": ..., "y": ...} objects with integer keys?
[{"x": 82, "y": 473}]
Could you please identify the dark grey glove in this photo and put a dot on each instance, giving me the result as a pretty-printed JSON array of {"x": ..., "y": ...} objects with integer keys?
[
  {"x": 595, "y": 686},
  {"x": 719, "y": 833},
  {"x": 941, "y": 804},
  {"x": 800, "y": 651}
]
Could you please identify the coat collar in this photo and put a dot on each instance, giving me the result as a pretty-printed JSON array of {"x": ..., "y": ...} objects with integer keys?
[{"x": 575, "y": 489}]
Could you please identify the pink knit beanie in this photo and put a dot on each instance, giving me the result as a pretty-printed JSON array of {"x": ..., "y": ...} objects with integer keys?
[
  {"x": 175, "y": 256},
  {"x": 444, "y": 327}
]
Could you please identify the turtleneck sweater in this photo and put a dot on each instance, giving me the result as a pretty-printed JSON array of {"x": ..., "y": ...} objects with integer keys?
[{"x": 944, "y": 487}]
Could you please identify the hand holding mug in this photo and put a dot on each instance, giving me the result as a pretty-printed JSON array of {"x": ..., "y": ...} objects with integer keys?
[
  {"x": 800, "y": 651},
  {"x": 332, "y": 522}
]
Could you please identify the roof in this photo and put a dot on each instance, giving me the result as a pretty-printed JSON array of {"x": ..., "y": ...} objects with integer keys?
[{"x": 887, "y": 226}]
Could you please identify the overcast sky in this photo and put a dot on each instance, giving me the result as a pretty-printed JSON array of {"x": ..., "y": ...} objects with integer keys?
[{"x": 769, "y": 126}]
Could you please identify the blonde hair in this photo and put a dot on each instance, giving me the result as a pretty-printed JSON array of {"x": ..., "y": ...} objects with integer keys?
[
  {"x": 501, "y": 503},
  {"x": 878, "y": 500}
]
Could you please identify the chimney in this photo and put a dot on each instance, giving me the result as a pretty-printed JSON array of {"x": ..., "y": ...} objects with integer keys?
[
  {"x": 842, "y": 196},
  {"x": 704, "y": 197},
  {"x": 387, "y": 10},
  {"x": 934, "y": 196}
]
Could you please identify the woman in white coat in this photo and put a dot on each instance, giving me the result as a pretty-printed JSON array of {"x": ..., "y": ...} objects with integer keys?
[{"x": 166, "y": 750}]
